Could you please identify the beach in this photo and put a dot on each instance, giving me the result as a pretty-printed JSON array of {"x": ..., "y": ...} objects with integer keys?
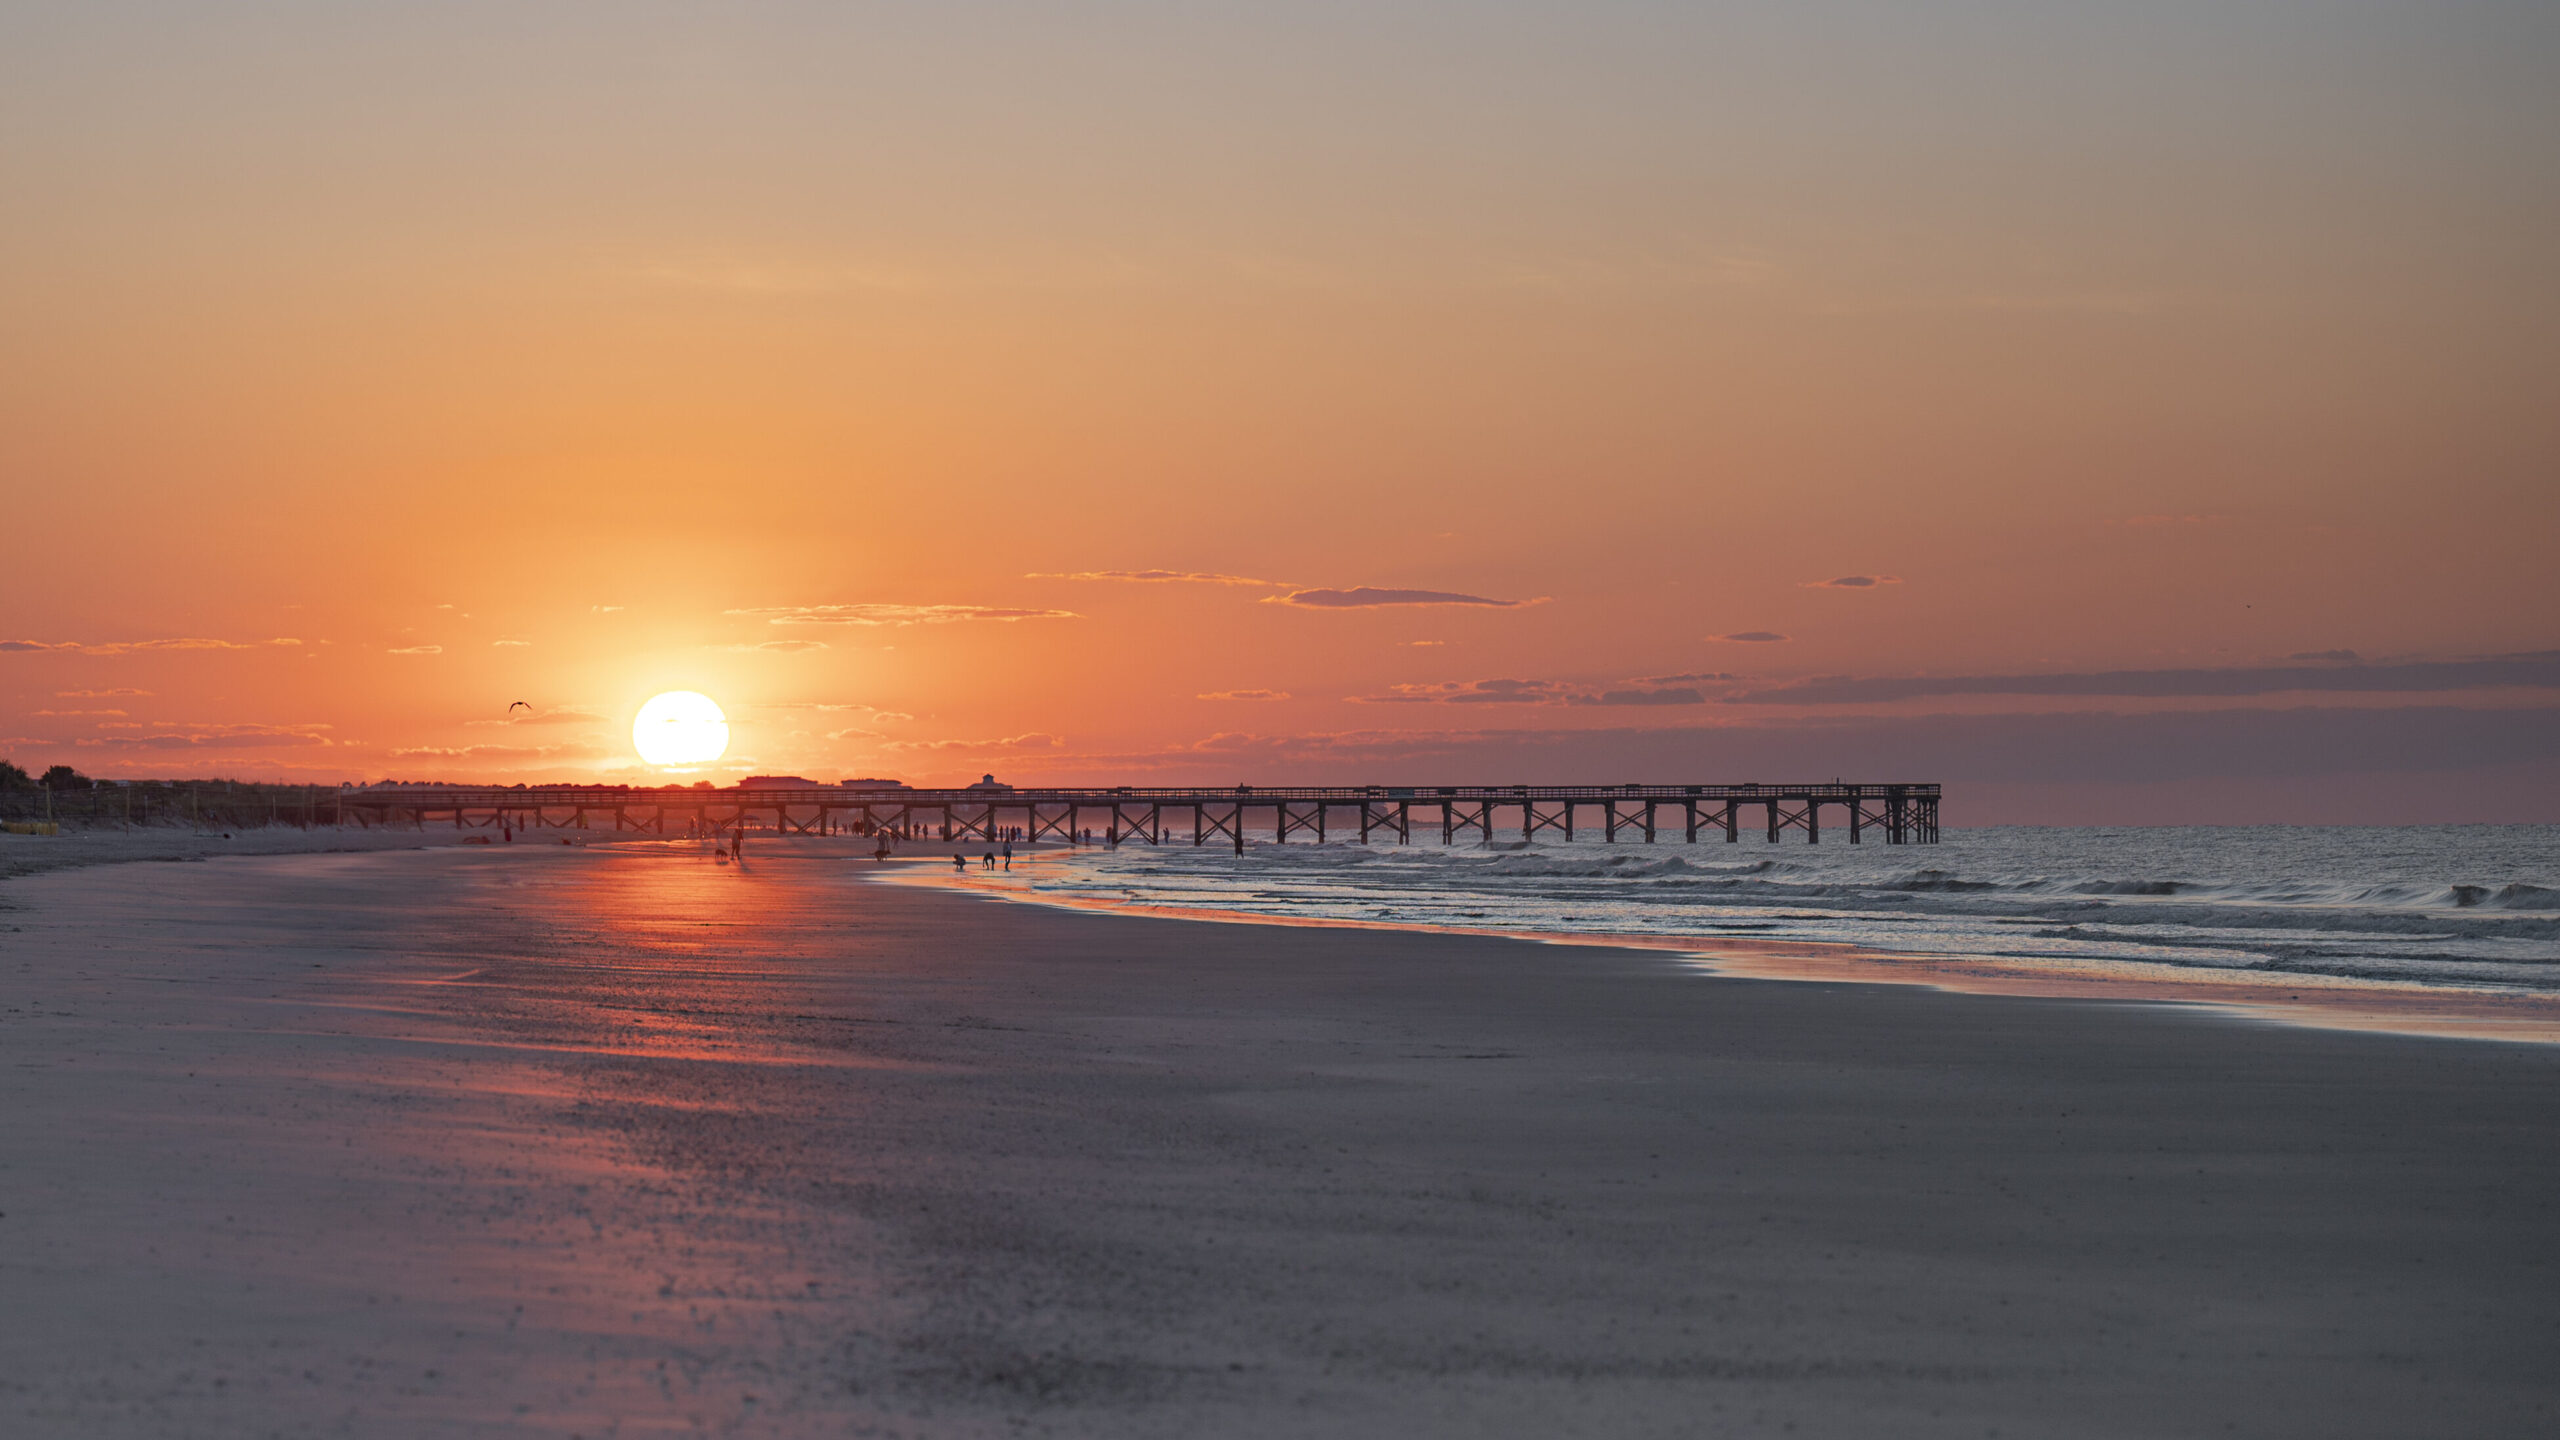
[{"x": 606, "y": 1139}]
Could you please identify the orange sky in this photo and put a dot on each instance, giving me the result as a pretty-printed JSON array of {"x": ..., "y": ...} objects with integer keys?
[{"x": 364, "y": 369}]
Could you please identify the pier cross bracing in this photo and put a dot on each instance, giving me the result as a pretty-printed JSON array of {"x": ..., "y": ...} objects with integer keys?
[{"x": 1898, "y": 814}]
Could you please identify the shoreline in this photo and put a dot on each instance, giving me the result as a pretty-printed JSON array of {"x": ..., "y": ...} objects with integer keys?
[
  {"x": 2444, "y": 1012},
  {"x": 2313, "y": 1001}
]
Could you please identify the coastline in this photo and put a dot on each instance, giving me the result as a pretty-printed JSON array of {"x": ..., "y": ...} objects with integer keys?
[
  {"x": 482, "y": 1140},
  {"x": 2439, "y": 1011}
]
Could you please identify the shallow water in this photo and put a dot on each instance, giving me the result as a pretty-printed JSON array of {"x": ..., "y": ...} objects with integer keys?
[{"x": 2459, "y": 906}]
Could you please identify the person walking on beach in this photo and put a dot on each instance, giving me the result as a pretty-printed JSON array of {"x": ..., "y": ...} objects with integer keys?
[{"x": 1008, "y": 853}]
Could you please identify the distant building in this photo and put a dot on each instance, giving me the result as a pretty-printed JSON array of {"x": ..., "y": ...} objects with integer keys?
[
  {"x": 989, "y": 782},
  {"x": 873, "y": 785},
  {"x": 777, "y": 782}
]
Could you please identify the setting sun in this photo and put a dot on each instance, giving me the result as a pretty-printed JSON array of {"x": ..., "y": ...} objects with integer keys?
[{"x": 680, "y": 728}]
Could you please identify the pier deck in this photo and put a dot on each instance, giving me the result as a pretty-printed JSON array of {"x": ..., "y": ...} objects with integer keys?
[{"x": 1896, "y": 813}]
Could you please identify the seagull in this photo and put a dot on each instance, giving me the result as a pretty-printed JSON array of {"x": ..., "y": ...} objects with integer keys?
[{"x": 519, "y": 705}]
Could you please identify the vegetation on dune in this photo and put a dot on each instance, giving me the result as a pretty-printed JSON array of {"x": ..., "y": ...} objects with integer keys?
[{"x": 63, "y": 793}]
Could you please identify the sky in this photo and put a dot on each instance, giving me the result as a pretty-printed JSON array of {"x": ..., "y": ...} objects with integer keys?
[{"x": 2120, "y": 414}]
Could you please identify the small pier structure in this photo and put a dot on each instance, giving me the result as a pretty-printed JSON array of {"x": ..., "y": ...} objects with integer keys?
[{"x": 1894, "y": 813}]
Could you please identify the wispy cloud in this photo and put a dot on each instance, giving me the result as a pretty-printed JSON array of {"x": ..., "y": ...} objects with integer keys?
[
  {"x": 128, "y": 647},
  {"x": 1852, "y": 582},
  {"x": 58, "y": 713},
  {"x": 1750, "y": 637},
  {"x": 1468, "y": 692},
  {"x": 1532, "y": 692},
  {"x": 480, "y": 752},
  {"x": 1366, "y": 597},
  {"x": 204, "y": 735},
  {"x": 98, "y": 694},
  {"x": 510, "y": 644},
  {"x": 1008, "y": 744},
  {"x": 2079, "y": 748},
  {"x": 417, "y": 650},
  {"x": 562, "y": 715},
  {"x": 781, "y": 646},
  {"x": 884, "y": 614},
  {"x": 1676, "y": 695},
  {"x": 605, "y": 609},
  {"x": 1689, "y": 677},
  {"x": 1244, "y": 695},
  {"x": 2535, "y": 670},
  {"x": 1157, "y": 577}
]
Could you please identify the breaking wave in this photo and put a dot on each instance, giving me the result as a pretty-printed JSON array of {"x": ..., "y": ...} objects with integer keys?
[{"x": 2463, "y": 905}]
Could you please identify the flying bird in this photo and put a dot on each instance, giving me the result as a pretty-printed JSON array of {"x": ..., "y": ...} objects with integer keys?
[{"x": 519, "y": 705}]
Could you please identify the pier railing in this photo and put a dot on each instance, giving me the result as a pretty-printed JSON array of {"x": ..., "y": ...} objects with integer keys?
[{"x": 1899, "y": 812}]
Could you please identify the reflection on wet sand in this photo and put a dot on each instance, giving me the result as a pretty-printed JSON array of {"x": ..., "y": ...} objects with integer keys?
[{"x": 618, "y": 1140}]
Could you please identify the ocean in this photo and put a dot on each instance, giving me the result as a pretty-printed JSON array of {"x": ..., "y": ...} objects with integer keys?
[{"x": 2473, "y": 907}]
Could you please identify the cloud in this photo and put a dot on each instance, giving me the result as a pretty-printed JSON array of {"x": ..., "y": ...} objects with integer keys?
[
  {"x": 1158, "y": 577},
  {"x": 883, "y": 614},
  {"x": 2345, "y": 656},
  {"x": 562, "y": 715},
  {"x": 478, "y": 752},
  {"x": 2535, "y": 670},
  {"x": 605, "y": 609},
  {"x": 1244, "y": 695},
  {"x": 1527, "y": 692},
  {"x": 416, "y": 650},
  {"x": 1852, "y": 582},
  {"x": 1750, "y": 637},
  {"x": 510, "y": 643},
  {"x": 129, "y": 647},
  {"x": 119, "y": 714},
  {"x": 1692, "y": 677},
  {"x": 853, "y": 734},
  {"x": 2253, "y": 745},
  {"x": 778, "y": 646},
  {"x": 202, "y": 735},
  {"x": 98, "y": 694},
  {"x": 1368, "y": 597},
  {"x": 1033, "y": 741},
  {"x": 1682, "y": 695}
]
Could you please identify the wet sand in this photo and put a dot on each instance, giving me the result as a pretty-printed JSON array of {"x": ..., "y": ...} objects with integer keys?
[{"x": 612, "y": 1140}]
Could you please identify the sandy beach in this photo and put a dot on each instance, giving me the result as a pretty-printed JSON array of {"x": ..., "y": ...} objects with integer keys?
[{"x": 607, "y": 1139}]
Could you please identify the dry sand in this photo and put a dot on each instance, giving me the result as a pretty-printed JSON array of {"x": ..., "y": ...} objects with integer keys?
[
  {"x": 79, "y": 846},
  {"x": 611, "y": 1140}
]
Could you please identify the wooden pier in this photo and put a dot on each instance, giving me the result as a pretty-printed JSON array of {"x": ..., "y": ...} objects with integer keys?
[{"x": 1897, "y": 814}]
